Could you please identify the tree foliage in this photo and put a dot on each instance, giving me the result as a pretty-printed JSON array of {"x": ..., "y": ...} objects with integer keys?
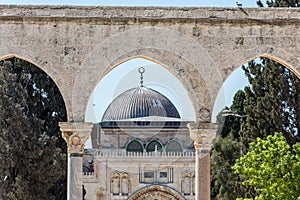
[
  {"x": 272, "y": 102},
  {"x": 33, "y": 164},
  {"x": 44, "y": 100},
  {"x": 225, "y": 183},
  {"x": 279, "y": 3},
  {"x": 228, "y": 147},
  {"x": 272, "y": 168}
]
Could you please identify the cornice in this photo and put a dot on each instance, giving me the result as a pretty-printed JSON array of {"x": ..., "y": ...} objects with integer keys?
[{"x": 135, "y": 15}]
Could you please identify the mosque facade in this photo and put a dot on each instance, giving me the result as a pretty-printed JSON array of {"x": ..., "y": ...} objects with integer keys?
[{"x": 141, "y": 149}]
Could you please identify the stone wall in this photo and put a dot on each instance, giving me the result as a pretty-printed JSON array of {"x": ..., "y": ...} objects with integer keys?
[{"x": 77, "y": 46}]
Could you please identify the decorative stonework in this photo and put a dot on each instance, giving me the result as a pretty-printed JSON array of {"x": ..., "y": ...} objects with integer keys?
[
  {"x": 204, "y": 45},
  {"x": 202, "y": 134},
  {"x": 101, "y": 193},
  {"x": 75, "y": 134},
  {"x": 156, "y": 192}
]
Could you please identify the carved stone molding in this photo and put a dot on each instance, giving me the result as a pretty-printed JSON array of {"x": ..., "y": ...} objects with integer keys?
[
  {"x": 75, "y": 134},
  {"x": 156, "y": 192},
  {"x": 202, "y": 134}
]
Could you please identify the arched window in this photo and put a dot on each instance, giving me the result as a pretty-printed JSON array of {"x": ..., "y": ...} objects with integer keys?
[
  {"x": 173, "y": 146},
  {"x": 186, "y": 183},
  {"x": 154, "y": 145},
  {"x": 115, "y": 183},
  {"x": 135, "y": 146},
  {"x": 193, "y": 183},
  {"x": 125, "y": 184}
]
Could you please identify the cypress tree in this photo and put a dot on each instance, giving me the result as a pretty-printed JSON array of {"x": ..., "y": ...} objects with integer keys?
[
  {"x": 34, "y": 152},
  {"x": 272, "y": 101},
  {"x": 270, "y": 104},
  {"x": 228, "y": 147}
]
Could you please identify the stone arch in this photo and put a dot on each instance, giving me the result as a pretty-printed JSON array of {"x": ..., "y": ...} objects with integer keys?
[
  {"x": 279, "y": 55},
  {"x": 267, "y": 52},
  {"x": 48, "y": 71},
  {"x": 178, "y": 53},
  {"x": 126, "y": 76},
  {"x": 156, "y": 192},
  {"x": 253, "y": 56},
  {"x": 279, "y": 60},
  {"x": 135, "y": 145}
]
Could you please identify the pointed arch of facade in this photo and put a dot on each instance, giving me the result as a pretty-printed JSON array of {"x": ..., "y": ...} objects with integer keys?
[
  {"x": 279, "y": 60},
  {"x": 150, "y": 145},
  {"x": 177, "y": 53},
  {"x": 174, "y": 145},
  {"x": 156, "y": 192},
  {"x": 279, "y": 55},
  {"x": 238, "y": 58},
  {"x": 137, "y": 145},
  {"x": 49, "y": 71},
  {"x": 222, "y": 48}
]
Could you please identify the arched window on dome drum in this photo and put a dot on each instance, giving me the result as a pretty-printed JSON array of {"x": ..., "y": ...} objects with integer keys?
[
  {"x": 135, "y": 146},
  {"x": 154, "y": 145},
  {"x": 173, "y": 146}
]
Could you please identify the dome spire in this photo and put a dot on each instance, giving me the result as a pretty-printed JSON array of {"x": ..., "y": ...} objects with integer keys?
[{"x": 141, "y": 71}]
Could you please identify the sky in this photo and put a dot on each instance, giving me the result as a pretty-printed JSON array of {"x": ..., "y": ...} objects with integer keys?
[
  {"x": 181, "y": 3},
  {"x": 127, "y": 76}
]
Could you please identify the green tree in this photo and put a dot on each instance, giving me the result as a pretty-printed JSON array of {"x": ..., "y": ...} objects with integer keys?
[
  {"x": 272, "y": 102},
  {"x": 43, "y": 97},
  {"x": 279, "y": 3},
  {"x": 228, "y": 147},
  {"x": 225, "y": 184},
  {"x": 42, "y": 107},
  {"x": 272, "y": 168},
  {"x": 30, "y": 160}
]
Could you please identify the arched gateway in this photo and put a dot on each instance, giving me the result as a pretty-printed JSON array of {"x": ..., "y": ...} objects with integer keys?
[
  {"x": 156, "y": 192},
  {"x": 77, "y": 46}
]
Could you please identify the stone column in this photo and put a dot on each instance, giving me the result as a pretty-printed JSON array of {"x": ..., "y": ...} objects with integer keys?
[
  {"x": 202, "y": 134},
  {"x": 75, "y": 134}
]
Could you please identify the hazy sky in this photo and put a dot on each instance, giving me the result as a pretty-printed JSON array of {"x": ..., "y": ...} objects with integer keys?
[
  {"x": 215, "y": 3},
  {"x": 126, "y": 76}
]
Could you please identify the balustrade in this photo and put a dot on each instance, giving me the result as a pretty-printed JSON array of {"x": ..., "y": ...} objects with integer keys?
[{"x": 122, "y": 154}]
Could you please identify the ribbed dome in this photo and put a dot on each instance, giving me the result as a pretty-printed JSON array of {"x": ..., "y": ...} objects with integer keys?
[{"x": 140, "y": 102}]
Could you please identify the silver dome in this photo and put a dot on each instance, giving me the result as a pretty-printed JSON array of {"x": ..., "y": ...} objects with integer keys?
[{"x": 140, "y": 102}]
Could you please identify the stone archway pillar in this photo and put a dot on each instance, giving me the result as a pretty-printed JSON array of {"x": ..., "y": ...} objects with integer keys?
[
  {"x": 75, "y": 134},
  {"x": 202, "y": 134}
]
